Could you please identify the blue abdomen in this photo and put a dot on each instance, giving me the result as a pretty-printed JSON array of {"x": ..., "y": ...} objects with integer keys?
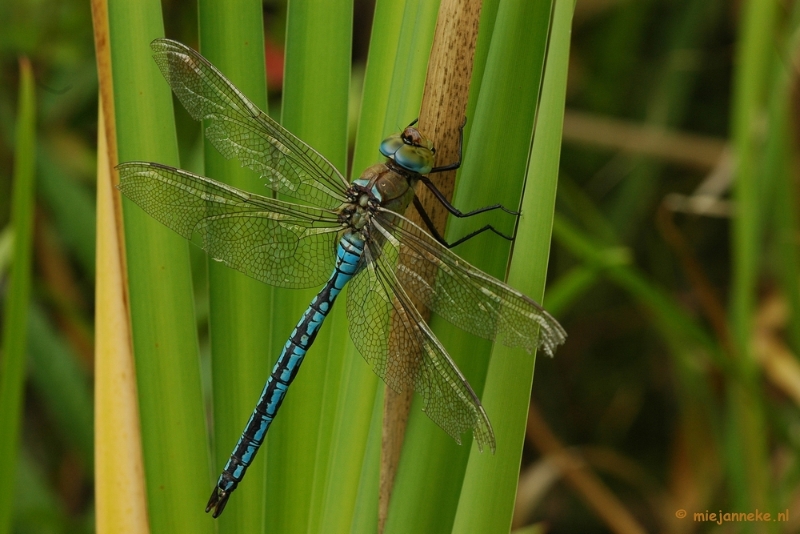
[{"x": 348, "y": 257}]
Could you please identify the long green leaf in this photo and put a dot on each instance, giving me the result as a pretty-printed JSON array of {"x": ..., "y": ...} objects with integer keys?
[
  {"x": 493, "y": 171},
  {"x": 779, "y": 164},
  {"x": 15, "y": 317},
  {"x": 315, "y": 100},
  {"x": 487, "y": 498},
  {"x": 400, "y": 43},
  {"x": 746, "y": 436},
  {"x": 232, "y": 38},
  {"x": 174, "y": 438},
  {"x": 399, "y": 50}
]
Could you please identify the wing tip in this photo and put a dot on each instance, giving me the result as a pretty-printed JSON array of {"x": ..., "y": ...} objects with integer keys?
[{"x": 484, "y": 436}]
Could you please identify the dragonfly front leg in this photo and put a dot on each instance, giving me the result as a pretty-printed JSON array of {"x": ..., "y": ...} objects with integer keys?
[{"x": 457, "y": 164}]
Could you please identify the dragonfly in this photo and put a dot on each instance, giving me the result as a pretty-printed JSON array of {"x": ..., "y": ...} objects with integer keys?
[{"x": 352, "y": 234}]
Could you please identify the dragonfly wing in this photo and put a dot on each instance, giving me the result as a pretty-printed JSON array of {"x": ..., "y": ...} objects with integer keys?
[
  {"x": 463, "y": 294},
  {"x": 280, "y": 243},
  {"x": 392, "y": 336},
  {"x": 238, "y": 129}
]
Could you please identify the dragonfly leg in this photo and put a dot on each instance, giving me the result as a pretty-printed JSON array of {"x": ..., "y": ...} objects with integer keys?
[
  {"x": 438, "y": 237},
  {"x": 451, "y": 167},
  {"x": 457, "y": 164},
  {"x": 455, "y": 211}
]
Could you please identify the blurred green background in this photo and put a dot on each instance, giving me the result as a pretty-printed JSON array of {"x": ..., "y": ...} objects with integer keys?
[{"x": 673, "y": 267}]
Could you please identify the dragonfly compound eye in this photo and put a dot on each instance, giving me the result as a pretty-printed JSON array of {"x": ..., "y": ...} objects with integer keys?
[
  {"x": 414, "y": 158},
  {"x": 410, "y": 149},
  {"x": 391, "y": 144}
]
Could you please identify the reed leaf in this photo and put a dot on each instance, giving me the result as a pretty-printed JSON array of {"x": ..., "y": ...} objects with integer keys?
[
  {"x": 17, "y": 303},
  {"x": 174, "y": 438}
]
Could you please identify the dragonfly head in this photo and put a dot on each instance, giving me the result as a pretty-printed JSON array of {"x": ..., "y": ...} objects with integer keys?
[{"x": 410, "y": 149}]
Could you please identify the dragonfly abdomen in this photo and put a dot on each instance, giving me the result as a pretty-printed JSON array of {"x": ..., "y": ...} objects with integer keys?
[{"x": 348, "y": 255}]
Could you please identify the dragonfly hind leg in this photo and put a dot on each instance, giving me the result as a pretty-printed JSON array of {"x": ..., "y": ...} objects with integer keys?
[
  {"x": 451, "y": 167},
  {"x": 436, "y": 235},
  {"x": 452, "y": 209}
]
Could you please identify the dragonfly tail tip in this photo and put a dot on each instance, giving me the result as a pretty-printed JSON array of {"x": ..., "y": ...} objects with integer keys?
[{"x": 217, "y": 502}]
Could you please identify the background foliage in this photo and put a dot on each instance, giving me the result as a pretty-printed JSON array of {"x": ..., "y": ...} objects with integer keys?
[{"x": 674, "y": 264}]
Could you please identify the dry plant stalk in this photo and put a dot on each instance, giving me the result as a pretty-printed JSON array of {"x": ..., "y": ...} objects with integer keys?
[{"x": 444, "y": 104}]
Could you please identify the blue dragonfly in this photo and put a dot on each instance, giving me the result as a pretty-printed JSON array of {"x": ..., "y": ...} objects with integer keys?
[{"x": 351, "y": 234}]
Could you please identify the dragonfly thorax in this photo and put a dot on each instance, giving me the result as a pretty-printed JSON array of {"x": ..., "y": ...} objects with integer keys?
[
  {"x": 361, "y": 206},
  {"x": 387, "y": 186}
]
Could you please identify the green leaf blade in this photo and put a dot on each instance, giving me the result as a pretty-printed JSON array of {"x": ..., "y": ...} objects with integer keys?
[
  {"x": 174, "y": 438},
  {"x": 15, "y": 329}
]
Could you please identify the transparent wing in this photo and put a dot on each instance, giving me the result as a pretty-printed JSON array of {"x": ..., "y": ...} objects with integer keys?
[
  {"x": 280, "y": 243},
  {"x": 465, "y": 295},
  {"x": 392, "y": 336},
  {"x": 237, "y": 128}
]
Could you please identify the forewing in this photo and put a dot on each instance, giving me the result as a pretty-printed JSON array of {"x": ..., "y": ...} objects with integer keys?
[
  {"x": 238, "y": 129},
  {"x": 280, "y": 243},
  {"x": 392, "y": 336},
  {"x": 465, "y": 295}
]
